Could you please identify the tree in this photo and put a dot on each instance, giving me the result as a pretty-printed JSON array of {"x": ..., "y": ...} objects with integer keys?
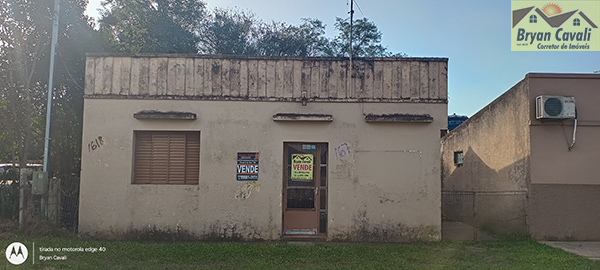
[
  {"x": 25, "y": 35},
  {"x": 171, "y": 26},
  {"x": 76, "y": 39},
  {"x": 228, "y": 31},
  {"x": 280, "y": 39},
  {"x": 157, "y": 26},
  {"x": 23, "y": 41},
  {"x": 231, "y": 31},
  {"x": 366, "y": 40}
]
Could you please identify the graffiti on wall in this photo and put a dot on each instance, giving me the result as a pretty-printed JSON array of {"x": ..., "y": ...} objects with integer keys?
[
  {"x": 95, "y": 144},
  {"x": 342, "y": 151}
]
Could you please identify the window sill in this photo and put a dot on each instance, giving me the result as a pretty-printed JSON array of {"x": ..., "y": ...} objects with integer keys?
[
  {"x": 164, "y": 115},
  {"x": 298, "y": 117},
  {"x": 398, "y": 118}
]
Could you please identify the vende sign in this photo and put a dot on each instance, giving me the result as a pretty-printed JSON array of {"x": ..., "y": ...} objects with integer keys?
[
  {"x": 302, "y": 167},
  {"x": 247, "y": 166}
]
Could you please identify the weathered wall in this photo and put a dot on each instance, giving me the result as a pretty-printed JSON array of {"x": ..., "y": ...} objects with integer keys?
[
  {"x": 567, "y": 212},
  {"x": 507, "y": 149},
  {"x": 565, "y": 184},
  {"x": 494, "y": 175},
  {"x": 386, "y": 189},
  {"x": 262, "y": 78}
]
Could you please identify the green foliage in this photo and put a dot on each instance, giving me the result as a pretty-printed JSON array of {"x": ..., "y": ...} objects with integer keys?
[
  {"x": 280, "y": 39},
  {"x": 9, "y": 193},
  {"x": 158, "y": 26},
  {"x": 228, "y": 31},
  {"x": 137, "y": 26},
  {"x": 25, "y": 37},
  {"x": 366, "y": 39},
  {"x": 24, "y": 69}
]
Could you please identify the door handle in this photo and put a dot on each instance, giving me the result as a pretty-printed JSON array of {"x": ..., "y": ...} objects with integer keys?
[{"x": 316, "y": 191}]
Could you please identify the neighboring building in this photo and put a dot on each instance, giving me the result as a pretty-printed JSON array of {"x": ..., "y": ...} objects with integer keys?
[
  {"x": 170, "y": 142},
  {"x": 507, "y": 170},
  {"x": 454, "y": 120}
]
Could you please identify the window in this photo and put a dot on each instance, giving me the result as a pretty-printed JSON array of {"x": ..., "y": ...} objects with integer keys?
[
  {"x": 532, "y": 19},
  {"x": 458, "y": 158},
  {"x": 576, "y": 22},
  {"x": 166, "y": 157}
]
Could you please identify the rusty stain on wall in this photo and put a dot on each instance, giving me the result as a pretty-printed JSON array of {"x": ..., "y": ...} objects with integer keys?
[{"x": 245, "y": 190}]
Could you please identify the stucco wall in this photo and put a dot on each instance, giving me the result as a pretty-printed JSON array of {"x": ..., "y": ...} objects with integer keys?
[
  {"x": 386, "y": 189},
  {"x": 552, "y": 162},
  {"x": 565, "y": 212},
  {"x": 509, "y": 152},
  {"x": 489, "y": 188},
  {"x": 565, "y": 184}
]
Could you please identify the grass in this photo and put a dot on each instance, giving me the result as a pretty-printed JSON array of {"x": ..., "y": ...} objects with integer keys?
[{"x": 504, "y": 254}]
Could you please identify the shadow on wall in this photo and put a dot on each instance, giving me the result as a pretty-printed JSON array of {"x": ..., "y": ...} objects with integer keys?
[{"x": 485, "y": 198}]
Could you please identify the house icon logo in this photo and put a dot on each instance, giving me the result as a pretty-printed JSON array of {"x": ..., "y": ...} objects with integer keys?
[
  {"x": 16, "y": 253},
  {"x": 555, "y": 26}
]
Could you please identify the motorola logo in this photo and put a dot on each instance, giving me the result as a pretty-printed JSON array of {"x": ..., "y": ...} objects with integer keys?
[{"x": 16, "y": 253}]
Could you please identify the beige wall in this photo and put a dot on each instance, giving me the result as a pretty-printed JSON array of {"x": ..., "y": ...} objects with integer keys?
[
  {"x": 565, "y": 185},
  {"x": 552, "y": 162},
  {"x": 550, "y": 192},
  {"x": 489, "y": 189},
  {"x": 495, "y": 143},
  {"x": 387, "y": 189}
]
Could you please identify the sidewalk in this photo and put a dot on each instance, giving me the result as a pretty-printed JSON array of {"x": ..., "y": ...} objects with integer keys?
[{"x": 590, "y": 250}]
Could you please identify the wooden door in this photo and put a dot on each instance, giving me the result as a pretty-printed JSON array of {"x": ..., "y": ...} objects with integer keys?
[{"x": 305, "y": 190}]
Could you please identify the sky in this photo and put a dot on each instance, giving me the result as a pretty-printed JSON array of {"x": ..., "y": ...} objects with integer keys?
[{"x": 475, "y": 35}]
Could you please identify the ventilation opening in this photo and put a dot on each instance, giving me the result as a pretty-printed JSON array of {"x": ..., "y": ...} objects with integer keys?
[{"x": 458, "y": 158}]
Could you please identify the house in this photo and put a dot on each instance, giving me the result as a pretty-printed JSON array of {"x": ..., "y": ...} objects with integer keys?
[
  {"x": 262, "y": 148},
  {"x": 528, "y": 162}
]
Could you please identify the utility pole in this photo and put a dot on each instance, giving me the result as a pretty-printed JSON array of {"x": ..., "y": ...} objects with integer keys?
[
  {"x": 51, "y": 84},
  {"x": 350, "y": 47},
  {"x": 351, "y": 30},
  {"x": 46, "y": 169}
]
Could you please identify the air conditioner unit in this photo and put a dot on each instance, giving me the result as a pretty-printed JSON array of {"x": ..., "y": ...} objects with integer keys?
[{"x": 554, "y": 107}]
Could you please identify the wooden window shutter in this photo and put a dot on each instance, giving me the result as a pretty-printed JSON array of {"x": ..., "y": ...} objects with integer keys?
[{"x": 167, "y": 157}]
